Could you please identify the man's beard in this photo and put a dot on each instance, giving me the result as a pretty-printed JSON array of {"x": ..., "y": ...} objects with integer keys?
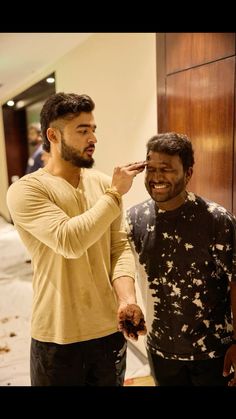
[
  {"x": 70, "y": 154},
  {"x": 33, "y": 143}
]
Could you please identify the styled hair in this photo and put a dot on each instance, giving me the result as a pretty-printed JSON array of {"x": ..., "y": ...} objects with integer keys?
[
  {"x": 173, "y": 144},
  {"x": 62, "y": 106}
]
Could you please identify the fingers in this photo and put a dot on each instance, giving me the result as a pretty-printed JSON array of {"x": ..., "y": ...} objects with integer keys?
[
  {"x": 227, "y": 365},
  {"x": 130, "y": 336},
  {"x": 134, "y": 169},
  {"x": 137, "y": 163},
  {"x": 131, "y": 169},
  {"x": 137, "y": 167},
  {"x": 136, "y": 172},
  {"x": 131, "y": 321},
  {"x": 232, "y": 382},
  {"x": 142, "y": 332},
  {"x": 137, "y": 316}
]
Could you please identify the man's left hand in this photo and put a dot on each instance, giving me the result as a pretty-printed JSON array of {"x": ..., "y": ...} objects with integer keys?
[{"x": 230, "y": 361}]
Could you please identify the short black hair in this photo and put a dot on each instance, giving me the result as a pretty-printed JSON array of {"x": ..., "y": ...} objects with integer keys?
[
  {"x": 173, "y": 144},
  {"x": 62, "y": 105}
]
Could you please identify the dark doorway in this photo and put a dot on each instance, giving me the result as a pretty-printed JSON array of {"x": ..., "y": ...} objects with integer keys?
[{"x": 16, "y": 118}]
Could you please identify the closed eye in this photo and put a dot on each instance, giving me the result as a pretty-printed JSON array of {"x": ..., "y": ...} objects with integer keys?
[
  {"x": 167, "y": 170},
  {"x": 150, "y": 169},
  {"x": 162, "y": 170}
]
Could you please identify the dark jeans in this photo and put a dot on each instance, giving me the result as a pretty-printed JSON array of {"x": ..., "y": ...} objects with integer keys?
[
  {"x": 96, "y": 362},
  {"x": 170, "y": 372}
]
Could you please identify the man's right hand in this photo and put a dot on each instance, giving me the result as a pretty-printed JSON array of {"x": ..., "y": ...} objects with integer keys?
[
  {"x": 123, "y": 176},
  {"x": 131, "y": 321}
]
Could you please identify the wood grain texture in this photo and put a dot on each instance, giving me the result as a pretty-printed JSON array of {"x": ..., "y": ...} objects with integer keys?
[
  {"x": 161, "y": 81},
  {"x": 200, "y": 103},
  {"x": 198, "y": 70},
  {"x": 186, "y": 50}
]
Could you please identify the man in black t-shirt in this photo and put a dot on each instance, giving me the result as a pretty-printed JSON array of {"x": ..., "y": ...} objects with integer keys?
[{"x": 186, "y": 248}]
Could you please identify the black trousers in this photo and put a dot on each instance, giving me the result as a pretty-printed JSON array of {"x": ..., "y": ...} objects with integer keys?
[
  {"x": 96, "y": 362},
  {"x": 169, "y": 372}
]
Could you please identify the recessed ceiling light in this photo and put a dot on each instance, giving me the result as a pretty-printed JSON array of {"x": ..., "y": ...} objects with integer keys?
[
  {"x": 20, "y": 104},
  {"x": 50, "y": 80},
  {"x": 10, "y": 103}
]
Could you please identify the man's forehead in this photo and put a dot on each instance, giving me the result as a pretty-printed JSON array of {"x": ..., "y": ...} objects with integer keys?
[{"x": 162, "y": 158}]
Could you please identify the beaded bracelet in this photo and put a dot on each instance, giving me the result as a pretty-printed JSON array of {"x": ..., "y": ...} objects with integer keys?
[{"x": 114, "y": 193}]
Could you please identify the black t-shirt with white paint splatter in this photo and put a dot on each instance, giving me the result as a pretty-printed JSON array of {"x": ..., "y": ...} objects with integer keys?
[{"x": 189, "y": 257}]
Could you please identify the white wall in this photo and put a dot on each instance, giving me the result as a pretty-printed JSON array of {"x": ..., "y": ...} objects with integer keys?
[
  {"x": 3, "y": 172},
  {"x": 118, "y": 70}
]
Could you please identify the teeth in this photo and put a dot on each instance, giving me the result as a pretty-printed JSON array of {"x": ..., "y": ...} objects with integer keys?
[{"x": 159, "y": 186}]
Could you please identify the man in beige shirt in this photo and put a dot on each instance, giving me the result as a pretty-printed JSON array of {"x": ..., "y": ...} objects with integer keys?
[{"x": 70, "y": 218}]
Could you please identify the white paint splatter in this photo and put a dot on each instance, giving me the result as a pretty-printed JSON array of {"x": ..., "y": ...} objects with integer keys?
[
  {"x": 197, "y": 281},
  {"x": 219, "y": 246},
  {"x": 211, "y": 207},
  {"x": 218, "y": 326},
  {"x": 191, "y": 196},
  {"x": 150, "y": 228},
  {"x": 178, "y": 238},
  {"x": 170, "y": 265},
  {"x": 211, "y": 354},
  {"x": 163, "y": 279},
  {"x": 184, "y": 328},
  {"x": 197, "y": 300},
  {"x": 201, "y": 343},
  {"x": 188, "y": 246},
  {"x": 175, "y": 290},
  {"x": 166, "y": 236}
]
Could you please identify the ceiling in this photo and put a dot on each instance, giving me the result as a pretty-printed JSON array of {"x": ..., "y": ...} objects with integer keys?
[{"x": 23, "y": 55}]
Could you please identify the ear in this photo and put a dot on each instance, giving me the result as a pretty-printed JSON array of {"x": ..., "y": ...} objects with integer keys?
[
  {"x": 53, "y": 135},
  {"x": 188, "y": 174}
]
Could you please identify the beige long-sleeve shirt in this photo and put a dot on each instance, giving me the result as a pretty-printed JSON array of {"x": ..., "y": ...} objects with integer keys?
[{"x": 78, "y": 244}]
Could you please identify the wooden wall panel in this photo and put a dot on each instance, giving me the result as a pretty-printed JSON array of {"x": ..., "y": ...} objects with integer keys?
[
  {"x": 234, "y": 156},
  {"x": 200, "y": 103},
  {"x": 178, "y": 103},
  {"x": 186, "y": 50},
  {"x": 161, "y": 82}
]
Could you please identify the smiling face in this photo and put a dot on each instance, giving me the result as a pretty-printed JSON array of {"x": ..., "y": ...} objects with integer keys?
[{"x": 166, "y": 180}]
